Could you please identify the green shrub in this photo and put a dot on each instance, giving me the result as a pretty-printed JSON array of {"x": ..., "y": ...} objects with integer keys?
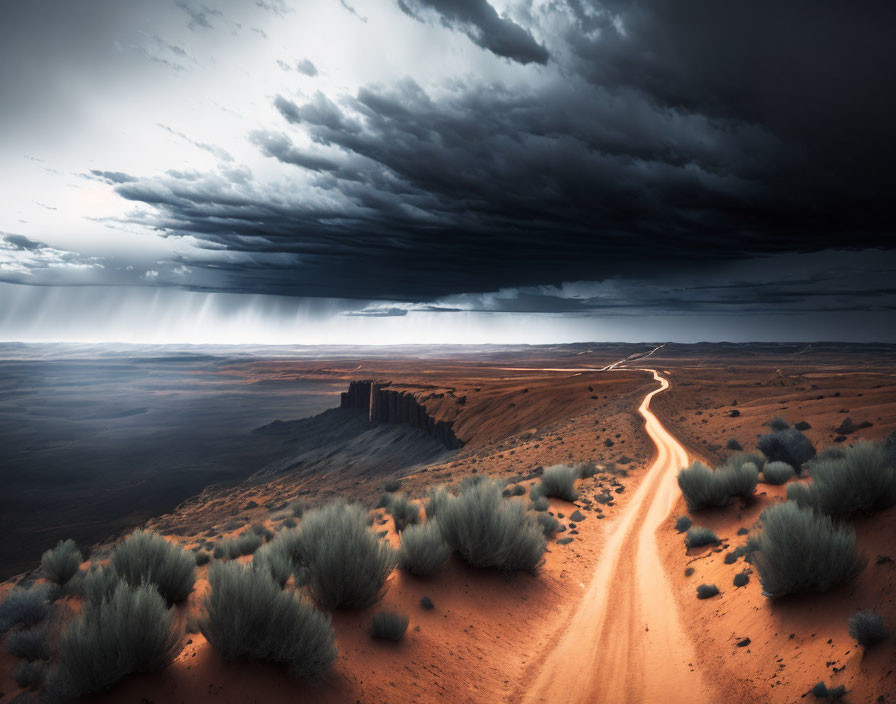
[
  {"x": 404, "y": 512},
  {"x": 738, "y": 459},
  {"x": 549, "y": 524},
  {"x": 585, "y": 470},
  {"x": 706, "y": 591},
  {"x": 515, "y": 490},
  {"x": 423, "y": 549},
  {"x": 777, "y": 473},
  {"x": 61, "y": 563},
  {"x": 698, "y": 536},
  {"x": 860, "y": 480},
  {"x": 559, "y": 482},
  {"x": 819, "y": 691},
  {"x": 700, "y": 487},
  {"x": 246, "y": 615},
  {"x": 29, "y": 674},
  {"x": 868, "y": 628},
  {"x": 778, "y": 423},
  {"x": 345, "y": 563},
  {"x": 800, "y": 550},
  {"x": 99, "y": 582},
  {"x": 244, "y": 544},
  {"x": 682, "y": 523},
  {"x": 488, "y": 531},
  {"x": 131, "y": 631},
  {"x": 738, "y": 480},
  {"x": 25, "y": 606},
  {"x": 437, "y": 497},
  {"x": 389, "y": 625},
  {"x": 276, "y": 560},
  {"x": 541, "y": 503},
  {"x": 789, "y": 446},
  {"x": 146, "y": 556},
  {"x": 29, "y": 643},
  {"x": 392, "y": 485}
]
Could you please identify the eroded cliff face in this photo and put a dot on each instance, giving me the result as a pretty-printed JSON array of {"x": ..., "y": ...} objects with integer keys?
[{"x": 391, "y": 406}]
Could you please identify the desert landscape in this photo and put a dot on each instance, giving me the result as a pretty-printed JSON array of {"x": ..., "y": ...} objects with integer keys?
[
  {"x": 447, "y": 352},
  {"x": 588, "y": 442}
]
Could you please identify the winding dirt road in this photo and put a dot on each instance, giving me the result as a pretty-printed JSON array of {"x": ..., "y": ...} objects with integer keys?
[{"x": 624, "y": 642}]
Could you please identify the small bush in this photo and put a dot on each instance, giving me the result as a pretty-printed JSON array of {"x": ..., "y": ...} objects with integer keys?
[
  {"x": 861, "y": 480},
  {"x": 423, "y": 549},
  {"x": 777, "y": 473},
  {"x": 738, "y": 480},
  {"x": 733, "y": 444},
  {"x": 392, "y": 485},
  {"x": 275, "y": 559},
  {"x": 25, "y": 606},
  {"x": 436, "y": 498},
  {"x": 404, "y": 512},
  {"x": 819, "y": 691},
  {"x": 868, "y": 628},
  {"x": 515, "y": 490},
  {"x": 131, "y": 631},
  {"x": 799, "y": 551},
  {"x": 682, "y": 523},
  {"x": 549, "y": 524},
  {"x": 489, "y": 531},
  {"x": 778, "y": 423},
  {"x": 802, "y": 425},
  {"x": 559, "y": 482},
  {"x": 541, "y": 503},
  {"x": 705, "y": 591},
  {"x": 345, "y": 563},
  {"x": 146, "y": 556},
  {"x": 245, "y": 544},
  {"x": 741, "y": 579},
  {"x": 427, "y": 604},
  {"x": 29, "y": 643},
  {"x": 29, "y": 674},
  {"x": 698, "y": 536},
  {"x": 789, "y": 446},
  {"x": 700, "y": 488},
  {"x": 61, "y": 563},
  {"x": 389, "y": 625},
  {"x": 586, "y": 470},
  {"x": 203, "y": 557},
  {"x": 246, "y": 615},
  {"x": 99, "y": 583}
]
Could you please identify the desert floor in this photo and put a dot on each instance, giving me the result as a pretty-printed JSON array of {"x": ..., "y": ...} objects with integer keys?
[{"x": 611, "y": 616}]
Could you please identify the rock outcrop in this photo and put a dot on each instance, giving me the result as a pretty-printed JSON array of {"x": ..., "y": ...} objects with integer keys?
[{"x": 391, "y": 406}]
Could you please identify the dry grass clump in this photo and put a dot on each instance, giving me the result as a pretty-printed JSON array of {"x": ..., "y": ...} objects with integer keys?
[
  {"x": 130, "y": 631},
  {"x": 61, "y": 563},
  {"x": 489, "y": 531},
  {"x": 147, "y": 557},
  {"x": 344, "y": 562},
  {"x": 558, "y": 482},
  {"x": 423, "y": 549},
  {"x": 247, "y": 615},
  {"x": 389, "y": 625},
  {"x": 800, "y": 551}
]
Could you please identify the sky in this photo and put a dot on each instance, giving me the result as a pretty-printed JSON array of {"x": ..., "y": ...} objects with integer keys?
[{"x": 427, "y": 171}]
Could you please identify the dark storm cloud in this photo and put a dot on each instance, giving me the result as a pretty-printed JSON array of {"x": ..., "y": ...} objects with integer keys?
[
  {"x": 679, "y": 139},
  {"x": 482, "y": 24}
]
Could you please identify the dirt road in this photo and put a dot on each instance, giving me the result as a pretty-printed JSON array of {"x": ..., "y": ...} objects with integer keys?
[{"x": 624, "y": 642}]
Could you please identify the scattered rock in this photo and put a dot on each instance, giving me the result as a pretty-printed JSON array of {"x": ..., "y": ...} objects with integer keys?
[{"x": 743, "y": 643}]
